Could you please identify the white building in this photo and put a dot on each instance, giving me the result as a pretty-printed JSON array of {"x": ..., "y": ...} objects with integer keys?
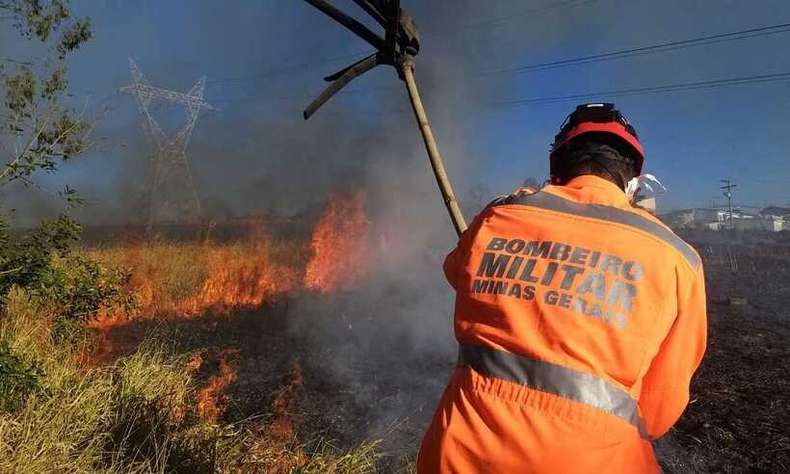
[{"x": 772, "y": 219}]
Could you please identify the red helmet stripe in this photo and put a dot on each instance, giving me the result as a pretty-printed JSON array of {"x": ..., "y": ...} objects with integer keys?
[{"x": 608, "y": 127}]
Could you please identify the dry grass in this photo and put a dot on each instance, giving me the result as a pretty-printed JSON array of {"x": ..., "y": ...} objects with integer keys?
[
  {"x": 139, "y": 413},
  {"x": 184, "y": 279}
]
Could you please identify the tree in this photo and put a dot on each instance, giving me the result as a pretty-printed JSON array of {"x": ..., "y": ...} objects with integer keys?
[{"x": 39, "y": 130}]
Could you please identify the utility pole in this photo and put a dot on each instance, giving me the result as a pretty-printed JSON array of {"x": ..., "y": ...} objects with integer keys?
[{"x": 728, "y": 187}]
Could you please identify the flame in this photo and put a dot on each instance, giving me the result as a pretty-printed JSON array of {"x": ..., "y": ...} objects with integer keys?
[
  {"x": 238, "y": 276},
  {"x": 187, "y": 280},
  {"x": 240, "y": 279},
  {"x": 282, "y": 429},
  {"x": 195, "y": 362},
  {"x": 338, "y": 244},
  {"x": 211, "y": 399}
]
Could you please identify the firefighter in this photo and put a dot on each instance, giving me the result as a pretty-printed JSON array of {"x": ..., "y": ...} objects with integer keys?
[{"x": 580, "y": 320}]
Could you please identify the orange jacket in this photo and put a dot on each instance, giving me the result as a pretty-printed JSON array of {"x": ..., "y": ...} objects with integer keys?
[{"x": 581, "y": 320}]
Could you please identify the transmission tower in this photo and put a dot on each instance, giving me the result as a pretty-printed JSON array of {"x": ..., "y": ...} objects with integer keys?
[{"x": 171, "y": 194}]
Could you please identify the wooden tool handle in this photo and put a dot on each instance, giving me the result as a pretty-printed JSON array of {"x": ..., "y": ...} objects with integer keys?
[{"x": 433, "y": 150}]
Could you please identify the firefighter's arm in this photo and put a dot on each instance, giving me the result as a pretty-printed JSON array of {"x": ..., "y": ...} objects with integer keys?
[
  {"x": 452, "y": 264},
  {"x": 455, "y": 260},
  {"x": 665, "y": 388}
]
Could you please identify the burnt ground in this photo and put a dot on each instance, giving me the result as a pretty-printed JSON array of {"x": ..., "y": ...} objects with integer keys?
[
  {"x": 739, "y": 416},
  {"x": 737, "y": 420},
  {"x": 365, "y": 377},
  {"x": 362, "y": 380}
]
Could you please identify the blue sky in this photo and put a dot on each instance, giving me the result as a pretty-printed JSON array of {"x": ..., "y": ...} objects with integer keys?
[{"x": 692, "y": 138}]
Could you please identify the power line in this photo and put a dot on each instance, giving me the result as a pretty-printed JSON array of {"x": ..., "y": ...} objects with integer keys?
[
  {"x": 624, "y": 53},
  {"x": 711, "y": 84},
  {"x": 529, "y": 12},
  {"x": 288, "y": 69},
  {"x": 305, "y": 95},
  {"x": 16, "y": 61},
  {"x": 655, "y": 48},
  {"x": 651, "y": 90},
  {"x": 358, "y": 55}
]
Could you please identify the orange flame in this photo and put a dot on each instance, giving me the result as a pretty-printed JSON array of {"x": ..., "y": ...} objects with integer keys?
[
  {"x": 211, "y": 399},
  {"x": 338, "y": 244},
  {"x": 195, "y": 362},
  {"x": 240, "y": 279},
  {"x": 186, "y": 280},
  {"x": 240, "y": 276},
  {"x": 284, "y": 404}
]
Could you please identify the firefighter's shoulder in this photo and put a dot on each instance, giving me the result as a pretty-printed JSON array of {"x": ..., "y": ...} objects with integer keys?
[
  {"x": 513, "y": 197},
  {"x": 669, "y": 237}
]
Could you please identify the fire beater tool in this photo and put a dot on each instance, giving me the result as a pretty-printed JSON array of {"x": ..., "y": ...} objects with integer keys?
[{"x": 398, "y": 48}]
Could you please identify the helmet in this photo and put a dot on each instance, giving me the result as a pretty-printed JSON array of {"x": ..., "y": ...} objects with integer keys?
[{"x": 600, "y": 118}]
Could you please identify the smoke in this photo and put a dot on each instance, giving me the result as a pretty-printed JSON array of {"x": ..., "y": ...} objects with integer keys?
[
  {"x": 390, "y": 340},
  {"x": 264, "y": 64}
]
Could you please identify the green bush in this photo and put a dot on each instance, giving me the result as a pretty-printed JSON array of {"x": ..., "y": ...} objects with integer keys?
[
  {"x": 18, "y": 379},
  {"x": 24, "y": 261},
  {"x": 73, "y": 285},
  {"x": 78, "y": 287}
]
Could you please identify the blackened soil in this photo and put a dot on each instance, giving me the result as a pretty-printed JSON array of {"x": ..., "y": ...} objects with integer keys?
[
  {"x": 363, "y": 379},
  {"x": 739, "y": 416}
]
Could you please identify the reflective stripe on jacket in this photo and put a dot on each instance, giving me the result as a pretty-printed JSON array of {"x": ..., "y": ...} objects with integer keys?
[{"x": 580, "y": 321}]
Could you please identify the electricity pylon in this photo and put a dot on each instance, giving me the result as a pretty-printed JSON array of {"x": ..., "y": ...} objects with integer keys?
[{"x": 172, "y": 196}]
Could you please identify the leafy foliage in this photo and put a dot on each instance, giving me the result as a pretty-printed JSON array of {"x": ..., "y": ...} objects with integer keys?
[
  {"x": 75, "y": 286},
  {"x": 25, "y": 261},
  {"x": 41, "y": 19},
  {"x": 79, "y": 287},
  {"x": 18, "y": 378},
  {"x": 44, "y": 130}
]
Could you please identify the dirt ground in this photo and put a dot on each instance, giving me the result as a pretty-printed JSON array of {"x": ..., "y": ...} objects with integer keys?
[
  {"x": 739, "y": 416},
  {"x": 365, "y": 378}
]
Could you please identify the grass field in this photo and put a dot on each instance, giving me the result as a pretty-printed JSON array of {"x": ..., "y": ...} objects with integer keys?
[
  {"x": 256, "y": 356},
  {"x": 121, "y": 399},
  {"x": 139, "y": 407}
]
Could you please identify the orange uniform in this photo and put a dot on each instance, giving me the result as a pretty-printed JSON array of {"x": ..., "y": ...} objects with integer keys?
[{"x": 581, "y": 320}]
